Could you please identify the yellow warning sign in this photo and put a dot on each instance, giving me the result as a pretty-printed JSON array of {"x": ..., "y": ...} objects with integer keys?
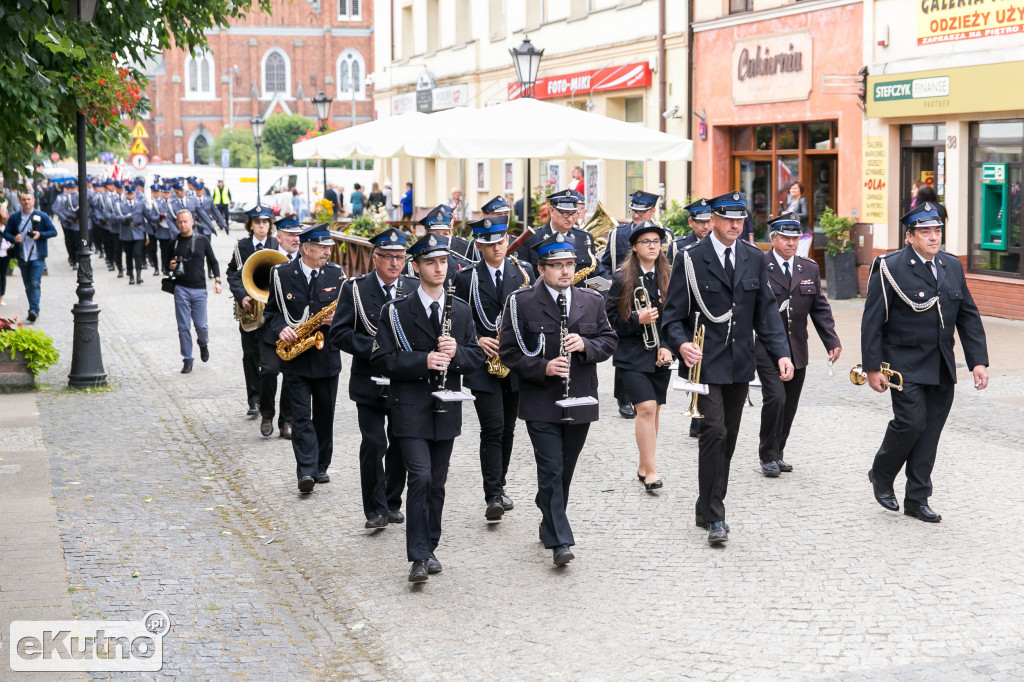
[
  {"x": 139, "y": 148},
  {"x": 138, "y": 131}
]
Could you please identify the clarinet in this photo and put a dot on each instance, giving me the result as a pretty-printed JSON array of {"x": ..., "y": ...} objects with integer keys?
[
  {"x": 563, "y": 353},
  {"x": 446, "y": 328}
]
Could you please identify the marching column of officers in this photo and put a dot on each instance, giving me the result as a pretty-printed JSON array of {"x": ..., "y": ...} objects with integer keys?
[{"x": 526, "y": 342}]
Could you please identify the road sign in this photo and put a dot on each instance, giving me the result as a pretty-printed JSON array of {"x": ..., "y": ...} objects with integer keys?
[
  {"x": 139, "y": 148},
  {"x": 138, "y": 131},
  {"x": 139, "y": 161},
  {"x": 225, "y": 158}
]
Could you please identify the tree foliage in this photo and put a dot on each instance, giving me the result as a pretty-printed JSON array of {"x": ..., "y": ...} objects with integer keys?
[
  {"x": 241, "y": 150},
  {"x": 52, "y": 66},
  {"x": 281, "y": 132}
]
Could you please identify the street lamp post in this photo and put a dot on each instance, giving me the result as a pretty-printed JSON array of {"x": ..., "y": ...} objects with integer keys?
[
  {"x": 257, "y": 124},
  {"x": 322, "y": 106},
  {"x": 86, "y": 352},
  {"x": 526, "y": 59}
]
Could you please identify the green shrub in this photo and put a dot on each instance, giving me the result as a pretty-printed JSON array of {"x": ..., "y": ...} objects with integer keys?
[{"x": 37, "y": 347}]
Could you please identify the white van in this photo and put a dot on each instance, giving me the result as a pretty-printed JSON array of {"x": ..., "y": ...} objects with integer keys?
[{"x": 279, "y": 183}]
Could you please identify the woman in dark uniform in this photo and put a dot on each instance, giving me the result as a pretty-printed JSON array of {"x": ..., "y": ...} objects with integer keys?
[{"x": 641, "y": 357}]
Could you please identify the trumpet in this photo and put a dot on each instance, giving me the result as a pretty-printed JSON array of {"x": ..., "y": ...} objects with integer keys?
[
  {"x": 859, "y": 377},
  {"x": 650, "y": 331},
  {"x": 694, "y": 377}
]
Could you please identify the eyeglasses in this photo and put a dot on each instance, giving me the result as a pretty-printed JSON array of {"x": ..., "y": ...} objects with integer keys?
[
  {"x": 568, "y": 214},
  {"x": 391, "y": 258},
  {"x": 649, "y": 242},
  {"x": 561, "y": 266}
]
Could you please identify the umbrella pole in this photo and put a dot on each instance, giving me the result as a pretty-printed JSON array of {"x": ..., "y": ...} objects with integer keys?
[{"x": 526, "y": 198}]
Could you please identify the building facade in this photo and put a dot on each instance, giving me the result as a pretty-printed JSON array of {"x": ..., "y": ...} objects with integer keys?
[
  {"x": 776, "y": 96},
  {"x": 265, "y": 64},
  {"x": 945, "y": 108},
  {"x": 601, "y": 56}
]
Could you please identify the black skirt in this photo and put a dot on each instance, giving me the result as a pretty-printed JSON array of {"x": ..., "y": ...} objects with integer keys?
[{"x": 637, "y": 387}]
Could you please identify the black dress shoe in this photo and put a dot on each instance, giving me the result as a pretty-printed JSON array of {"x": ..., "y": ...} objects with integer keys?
[
  {"x": 627, "y": 410},
  {"x": 433, "y": 565},
  {"x": 783, "y": 466},
  {"x": 921, "y": 511},
  {"x": 639, "y": 477},
  {"x": 396, "y": 517},
  {"x": 770, "y": 469},
  {"x": 138, "y": 278},
  {"x": 419, "y": 572},
  {"x": 694, "y": 428},
  {"x": 120, "y": 274},
  {"x": 286, "y": 430},
  {"x": 885, "y": 496},
  {"x": 252, "y": 411},
  {"x": 718, "y": 534},
  {"x": 186, "y": 366},
  {"x": 323, "y": 478},
  {"x": 306, "y": 484},
  {"x": 204, "y": 353},
  {"x": 377, "y": 521},
  {"x": 131, "y": 278},
  {"x": 156, "y": 273},
  {"x": 506, "y": 502},
  {"x": 653, "y": 485},
  {"x": 701, "y": 523},
  {"x": 562, "y": 555},
  {"x": 495, "y": 510},
  {"x": 32, "y": 317}
]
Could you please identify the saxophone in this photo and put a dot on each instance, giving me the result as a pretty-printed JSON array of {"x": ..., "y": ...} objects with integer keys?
[
  {"x": 585, "y": 272},
  {"x": 307, "y": 338},
  {"x": 494, "y": 365}
]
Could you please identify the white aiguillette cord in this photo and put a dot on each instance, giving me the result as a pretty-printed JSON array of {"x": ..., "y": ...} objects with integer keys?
[{"x": 691, "y": 279}]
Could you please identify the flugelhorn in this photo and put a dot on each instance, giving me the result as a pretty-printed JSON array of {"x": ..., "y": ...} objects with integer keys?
[
  {"x": 859, "y": 377},
  {"x": 694, "y": 377}
]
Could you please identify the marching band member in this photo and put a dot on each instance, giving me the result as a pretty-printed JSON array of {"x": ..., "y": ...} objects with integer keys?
[
  {"x": 552, "y": 337},
  {"x": 641, "y": 359},
  {"x": 381, "y": 471},
  {"x": 916, "y": 298},
  {"x": 565, "y": 208},
  {"x": 421, "y": 355},
  {"x": 497, "y": 207},
  {"x": 699, "y": 220},
  {"x": 721, "y": 283},
  {"x": 132, "y": 231},
  {"x": 299, "y": 291},
  {"x": 641, "y": 206},
  {"x": 797, "y": 287},
  {"x": 439, "y": 223},
  {"x": 257, "y": 387},
  {"x": 486, "y": 285}
]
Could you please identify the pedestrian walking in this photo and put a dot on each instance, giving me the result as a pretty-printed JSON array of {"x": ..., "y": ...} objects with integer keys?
[
  {"x": 407, "y": 202},
  {"x": 29, "y": 230},
  {"x": 222, "y": 200},
  {"x": 191, "y": 254},
  {"x": 356, "y": 199},
  {"x": 299, "y": 205},
  {"x": 376, "y": 197}
]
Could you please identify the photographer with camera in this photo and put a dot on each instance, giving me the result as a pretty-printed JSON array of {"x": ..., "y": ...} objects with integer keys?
[
  {"x": 28, "y": 231},
  {"x": 189, "y": 281}
]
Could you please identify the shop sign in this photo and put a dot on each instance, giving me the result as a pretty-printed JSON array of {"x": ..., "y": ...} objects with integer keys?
[
  {"x": 917, "y": 88},
  {"x": 431, "y": 99},
  {"x": 403, "y": 104},
  {"x": 943, "y": 21},
  {"x": 585, "y": 82},
  {"x": 776, "y": 68},
  {"x": 875, "y": 191},
  {"x": 968, "y": 90}
]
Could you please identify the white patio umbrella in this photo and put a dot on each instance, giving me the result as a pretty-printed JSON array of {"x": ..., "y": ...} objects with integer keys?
[{"x": 383, "y": 138}]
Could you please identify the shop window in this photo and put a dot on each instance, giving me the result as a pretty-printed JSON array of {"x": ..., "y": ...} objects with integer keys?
[
  {"x": 788, "y": 137},
  {"x": 819, "y": 135},
  {"x": 736, "y": 6},
  {"x": 924, "y": 132},
  {"x": 633, "y": 110},
  {"x": 996, "y": 218},
  {"x": 634, "y": 176},
  {"x": 763, "y": 138}
]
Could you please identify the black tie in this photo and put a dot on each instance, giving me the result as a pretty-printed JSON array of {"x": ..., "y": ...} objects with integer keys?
[
  {"x": 259, "y": 246},
  {"x": 435, "y": 317},
  {"x": 387, "y": 291},
  {"x": 497, "y": 281},
  {"x": 312, "y": 284},
  {"x": 931, "y": 269},
  {"x": 651, "y": 286},
  {"x": 789, "y": 275},
  {"x": 728, "y": 264}
]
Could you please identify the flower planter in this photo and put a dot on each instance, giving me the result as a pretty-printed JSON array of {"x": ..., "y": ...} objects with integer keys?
[
  {"x": 841, "y": 275},
  {"x": 14, "y": 373}
]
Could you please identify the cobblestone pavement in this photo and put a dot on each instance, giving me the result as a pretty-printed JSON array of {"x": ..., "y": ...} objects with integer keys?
[{"x": 165, "y": 476}]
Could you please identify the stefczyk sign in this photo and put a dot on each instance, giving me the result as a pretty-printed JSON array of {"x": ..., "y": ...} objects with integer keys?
[{"x": 585, "y": 82}]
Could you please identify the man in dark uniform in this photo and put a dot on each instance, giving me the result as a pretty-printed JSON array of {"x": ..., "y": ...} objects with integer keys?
[
  {"x": 288, "y": 231},
  {"x": 699, "y": 220},
  {"x": 163, "y": 224},
  {"x": 565, "y": 208},
  {"x": 381, "y": 471},
  {"x": 458, "y": 246},
  {"x": 258, "y": 388},
  {"x": 531, "y": 341},
  {"x": 211, "y": 216},
  {"x": 299, "y": 290},
  {"x": 797, "y": 287},
  {"x": 916, "y": 298},
  {"x": 497, "y": 207},
  {"x": 420, "y": 355},
  {"x": 133, "y": 232},
  {"x": 641, "y": 205},
  {"x": 439, "y": 223},
  {"x": 180, "y": 201},
  {"x": 65, "y": 207},
  {"x": 721, "y": 282},
  {"x": 110, "y": 221},
  {"x": 486, "y": 286}
]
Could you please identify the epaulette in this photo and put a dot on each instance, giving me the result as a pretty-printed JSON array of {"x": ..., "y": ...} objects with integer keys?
[
  {"x": 460, "y": 299},
  {"x": 521, "y": 290},
  {"x": 690, "y": 246},
  {"x": 359, "y": 277},
  {"x": 755, "y": 247},
  {"x": 330, "y": 264},
  {"x": 590, "y": 292},
  {"x": 806, "y": 259}
]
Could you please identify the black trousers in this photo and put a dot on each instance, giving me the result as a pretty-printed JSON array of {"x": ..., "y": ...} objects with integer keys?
[
  {"x": 312, "y": 406},
  {"x": 258, "y": 387},
  {"x": 918, "y": 414},
  {"x": 496, "y": 411},
  {"x": 165, "y": 253},
  {"x": 269, "y": 368},
  {"x": 722, "y": 408},
  {"x": 151, "y": 255},
  {"x": 133, "y": 259},
  {"x": 778, "y": 408},
  {"x": 427, "y": 464},
  {"x": 381, "y": 469},
  {"x": 556, "y": 447},
  {"x": 226, "y": 214},
  {"x": 114, "y": 250},
  {"x": 71, "y": 243}
]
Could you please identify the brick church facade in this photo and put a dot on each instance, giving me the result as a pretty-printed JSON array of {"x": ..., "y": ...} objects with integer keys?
[{"x": 265, "y": 64}]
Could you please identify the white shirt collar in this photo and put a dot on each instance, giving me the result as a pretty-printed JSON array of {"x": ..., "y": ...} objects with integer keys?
[
  {"x": 781, "y": 261},
  {"x": 923, "y": 259},
  {"x": 720, "y": 249},
  {"x": 644, "y": 272},
  {"x": 306, "y": 270},
  {"x": 257, "y": 242},
  {"x": 554, "y": 295},
  {"x": 281, "y": 250},
  {"x": 426, "y": 301},
  {"x": 381, "y": 283},
  {"x": 493, "y": 270}
]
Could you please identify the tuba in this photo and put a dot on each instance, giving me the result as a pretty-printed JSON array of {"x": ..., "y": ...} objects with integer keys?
[
  {"x": 256, "y": 281},
  {"x": 599, "y": 225}
]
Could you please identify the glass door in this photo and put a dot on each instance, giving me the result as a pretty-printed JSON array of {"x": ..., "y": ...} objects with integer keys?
[{"x": 755, "y": 180}]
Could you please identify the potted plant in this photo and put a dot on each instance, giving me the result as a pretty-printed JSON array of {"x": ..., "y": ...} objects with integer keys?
[
  {"x": 674, "y": 219},
  {"x": 24, "y": 354},
  {"x": 840, "y": 262}
]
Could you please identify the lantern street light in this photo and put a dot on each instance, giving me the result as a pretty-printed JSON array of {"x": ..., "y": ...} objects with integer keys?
[
  {"x": 257, "y": 124},
  {"x": 322, "y": 106},
  {"x": 86, "y": 353},
  {"x": 526, "y": 59}
]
